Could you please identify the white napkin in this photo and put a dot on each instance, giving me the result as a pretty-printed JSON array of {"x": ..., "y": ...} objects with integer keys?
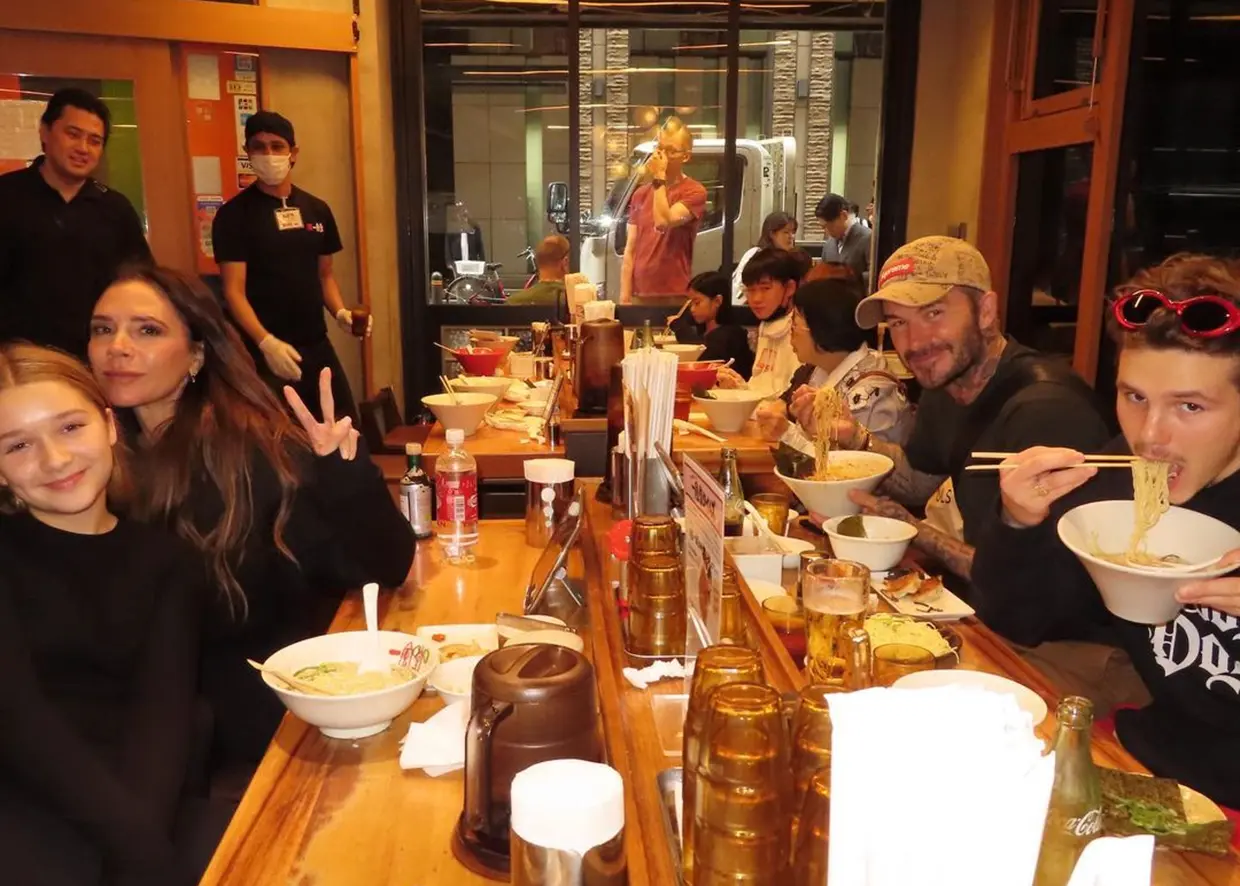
[
  {"x": 663, "y": 669},
  {"x": 957, "y": 778},
  {"x": 437, "y": 746},
  {"x": 1115, "y": 861},
  {"x": 599, "y": 310}
]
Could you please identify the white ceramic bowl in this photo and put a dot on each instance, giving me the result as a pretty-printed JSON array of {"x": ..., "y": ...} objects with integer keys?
[
  {"x": 466, "y": 414},
  {"x": 829, "y": 498},
  {"x": 728, "y": 409},
  {"x": 685, "y": 353},
  {"x": 1145, "y": 595},
  {"x": 348, "y": 716},
  {"x": 533, "y": 407},
  {"x": 454, "y": 680},
  {"x": 481, "y": 384},
  {"x": 883, "y": 547}
]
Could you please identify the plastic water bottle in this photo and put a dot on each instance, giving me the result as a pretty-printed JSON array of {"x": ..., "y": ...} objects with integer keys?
[{"x": 456, "y": 498}]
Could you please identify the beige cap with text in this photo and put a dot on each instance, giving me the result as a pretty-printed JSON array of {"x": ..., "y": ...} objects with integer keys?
[{"x": 921, "y": 273}]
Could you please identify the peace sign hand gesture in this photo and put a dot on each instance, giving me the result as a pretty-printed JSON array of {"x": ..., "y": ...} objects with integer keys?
[{"x": 326, "y": 436}]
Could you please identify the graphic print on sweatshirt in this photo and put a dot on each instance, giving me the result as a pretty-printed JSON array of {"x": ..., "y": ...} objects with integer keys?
[{"x": 1203, "y": 638}]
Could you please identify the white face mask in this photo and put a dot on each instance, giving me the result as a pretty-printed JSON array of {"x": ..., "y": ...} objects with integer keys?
[{"x": 271, "y": 169}]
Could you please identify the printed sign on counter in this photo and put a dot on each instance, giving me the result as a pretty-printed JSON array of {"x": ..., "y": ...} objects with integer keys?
[{"x": 703, "y": 554}]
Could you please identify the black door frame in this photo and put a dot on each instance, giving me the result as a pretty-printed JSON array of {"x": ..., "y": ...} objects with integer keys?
[{"x": 420, "y": 321}]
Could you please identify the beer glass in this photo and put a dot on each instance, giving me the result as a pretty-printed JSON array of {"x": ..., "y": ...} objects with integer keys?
[
  {"x": 773, "y": 508},
  {"x": 834, "y": 596},
  {"x": 742, "y": 807},
  {"x": 895, "y": 660},
  {"x": 716, "y": 666},
  {"x": 809, "y": 857},
  {"x": 806, "y": 558},
  {"x": 787, "y": 617}
]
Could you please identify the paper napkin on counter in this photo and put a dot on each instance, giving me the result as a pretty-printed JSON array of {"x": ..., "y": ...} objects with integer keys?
[
  {"x": 437, "y": 746},
  {"x": 663, "y": 669},
  {"x": 938, "y": 787},
  {"x": 1115, "y": 861}
]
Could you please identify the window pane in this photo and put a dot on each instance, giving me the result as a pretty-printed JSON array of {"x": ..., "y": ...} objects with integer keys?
[
  {"x": 1052, "y": 197},
  {"x": 1065, "y": 46},
  {"x": 497, "y": 137}
]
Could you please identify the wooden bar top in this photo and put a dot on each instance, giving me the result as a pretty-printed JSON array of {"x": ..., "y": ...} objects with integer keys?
[{"x": 321, "y": 812}]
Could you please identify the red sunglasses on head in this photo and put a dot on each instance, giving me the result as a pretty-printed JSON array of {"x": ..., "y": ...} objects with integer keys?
[{"x": 1202, "y": 316}]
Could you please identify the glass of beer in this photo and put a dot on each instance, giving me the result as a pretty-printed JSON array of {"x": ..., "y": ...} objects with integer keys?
[
  {"x": 895, "y": 660},
  {"x": 787, "y": 617},
  {"x": 773, "y": 507},
  {"x": 834, "y": 597}
]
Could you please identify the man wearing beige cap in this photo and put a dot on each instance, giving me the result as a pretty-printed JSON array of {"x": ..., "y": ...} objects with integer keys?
[{"x": 983, "y": 391}]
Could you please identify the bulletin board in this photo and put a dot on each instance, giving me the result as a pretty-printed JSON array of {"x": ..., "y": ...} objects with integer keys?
[{"x": 220, "y": 90}]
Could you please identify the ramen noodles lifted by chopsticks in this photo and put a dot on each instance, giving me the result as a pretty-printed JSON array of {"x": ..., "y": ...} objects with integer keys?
[
  {"x": 828, "y": 407},
  {"x": 1151, "y": 499}
]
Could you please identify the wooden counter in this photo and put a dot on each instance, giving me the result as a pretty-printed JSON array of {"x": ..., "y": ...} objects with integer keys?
[{"x": 330, "y": 813}]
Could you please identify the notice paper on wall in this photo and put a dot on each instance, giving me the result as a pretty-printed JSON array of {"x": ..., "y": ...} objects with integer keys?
[
  {"x": 207, "y": 178},
  {"x": 703, "y": 554},
  {"x": 202, "y": 72},
  {"x": 19, "y": 129}
]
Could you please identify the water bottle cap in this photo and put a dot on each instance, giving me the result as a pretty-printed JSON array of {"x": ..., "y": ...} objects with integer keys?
[
  {"x": 455, "y": 436},
  {"x": 413, "y": 449}
]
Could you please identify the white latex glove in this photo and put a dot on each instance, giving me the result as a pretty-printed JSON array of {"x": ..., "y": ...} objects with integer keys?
[
  {"x": 281, "y": 357},
  {"x": 345, "y": 318}
]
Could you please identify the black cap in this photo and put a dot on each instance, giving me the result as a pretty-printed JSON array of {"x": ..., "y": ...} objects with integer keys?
[{"x": 271, "y": 123}]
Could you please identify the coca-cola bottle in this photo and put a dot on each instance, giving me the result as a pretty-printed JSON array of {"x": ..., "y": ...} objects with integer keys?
[{"x": 1075, "y": 814}]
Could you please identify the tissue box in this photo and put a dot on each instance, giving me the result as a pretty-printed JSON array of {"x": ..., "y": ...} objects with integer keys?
[{"x": 756, "y": 558}]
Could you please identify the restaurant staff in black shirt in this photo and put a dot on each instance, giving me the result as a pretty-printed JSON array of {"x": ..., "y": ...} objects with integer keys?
[
  {"x": 63, "y": 235},
  {"x": 983, "y": 391},
  {"x": 274, "y": 243}
]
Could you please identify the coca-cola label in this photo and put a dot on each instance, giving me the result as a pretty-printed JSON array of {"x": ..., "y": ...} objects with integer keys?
[
  {"x": 1086, "y": 825},
  {"x": 456, "y": 498}
]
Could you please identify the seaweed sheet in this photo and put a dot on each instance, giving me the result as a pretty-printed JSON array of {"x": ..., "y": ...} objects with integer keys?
[{"x": 1139, "y": 804}]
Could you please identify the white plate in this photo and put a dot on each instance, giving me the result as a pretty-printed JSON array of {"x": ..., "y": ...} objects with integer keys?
[
  {"x": 763, "y": 589},
  {"x": 485, "y": 635},
  {"x": 949, "y": 606},
  {"x": 1025, "y": 697}
]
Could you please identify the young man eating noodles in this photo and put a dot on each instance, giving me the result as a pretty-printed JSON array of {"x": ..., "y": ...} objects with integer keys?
[{"x": 1178, "y": 401}]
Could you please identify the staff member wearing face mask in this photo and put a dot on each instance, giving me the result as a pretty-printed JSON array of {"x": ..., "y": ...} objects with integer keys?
[{"x": 274, "y": 243}]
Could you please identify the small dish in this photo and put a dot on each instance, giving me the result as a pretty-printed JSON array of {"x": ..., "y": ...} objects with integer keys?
[
  {"x": 793, "y": 548},
  {"x": 484, "y": 636},
  {"x": 945, "y": 607},
  {"x": 454, "y": 680},
  {"x": 761, "y": 590}
]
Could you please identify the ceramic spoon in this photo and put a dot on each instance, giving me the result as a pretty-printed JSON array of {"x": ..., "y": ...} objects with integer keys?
[{"x": 373, "y": 660}]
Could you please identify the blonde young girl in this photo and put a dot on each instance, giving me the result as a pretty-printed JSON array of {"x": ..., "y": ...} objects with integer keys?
[{"x": 98, "y": 627}]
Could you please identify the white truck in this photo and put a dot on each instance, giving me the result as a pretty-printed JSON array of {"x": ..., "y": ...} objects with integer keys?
[{"x": 768, "y": 183}]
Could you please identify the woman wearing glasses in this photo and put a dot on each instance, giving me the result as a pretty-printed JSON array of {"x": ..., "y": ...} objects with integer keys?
[{"x": 1178, "y": 401}]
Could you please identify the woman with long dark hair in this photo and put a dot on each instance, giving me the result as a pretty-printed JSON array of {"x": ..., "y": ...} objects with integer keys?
[
  {"x": 779, "y": 231},
  {"x": 712, "y": 312},
  {"x": 289, "y": 514}
]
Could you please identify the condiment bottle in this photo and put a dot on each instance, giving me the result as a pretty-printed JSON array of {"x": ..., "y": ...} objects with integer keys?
[
  {"x": 733, "y": 493},
  {"x": 1075, "y": 814}
]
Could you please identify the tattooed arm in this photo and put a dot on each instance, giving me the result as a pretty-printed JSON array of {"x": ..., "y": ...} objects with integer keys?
[{"x": 906, "y": 484}]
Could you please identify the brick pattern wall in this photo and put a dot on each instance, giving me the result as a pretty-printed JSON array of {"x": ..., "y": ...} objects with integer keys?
[
  {"x": 585, "y": 147},
  {"x": 818, "y": 142},
  {"x": 784, "y": 98},
  {"x": 617, "y": 114}
]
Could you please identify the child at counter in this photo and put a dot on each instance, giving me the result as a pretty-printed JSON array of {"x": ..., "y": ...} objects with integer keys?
[
  {"x": 771, "y": 278},
  {"x": 98, "y": 643},
  {"x": 289, "y": 514},
  {"x": 712, "y": 311}
]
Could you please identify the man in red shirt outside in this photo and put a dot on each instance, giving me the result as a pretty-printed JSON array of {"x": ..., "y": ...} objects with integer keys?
[{"x": 663, "y": 221}]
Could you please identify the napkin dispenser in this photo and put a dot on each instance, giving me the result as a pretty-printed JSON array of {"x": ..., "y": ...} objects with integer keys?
[
  {"x": 530, "y": 703},
  {"x": 568, "y": 825}
]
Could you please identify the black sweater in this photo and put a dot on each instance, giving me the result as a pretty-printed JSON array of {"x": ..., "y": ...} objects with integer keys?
[
  {"x": 344, "y": 530},
  {"x": 1033, "y": 589},
  {"x": 98, "y": 646},
  {"x": 730, "y": 343}
]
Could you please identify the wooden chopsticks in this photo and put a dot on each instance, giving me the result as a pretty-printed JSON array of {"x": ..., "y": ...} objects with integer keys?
[{"x": 1091, "y": 461}]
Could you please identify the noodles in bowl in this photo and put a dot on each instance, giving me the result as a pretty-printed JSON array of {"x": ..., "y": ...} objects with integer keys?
[
  {"x": 342, "y": 677},
  {"x": 847, "y": 471},
  {"x": 1151, "y": 496}
]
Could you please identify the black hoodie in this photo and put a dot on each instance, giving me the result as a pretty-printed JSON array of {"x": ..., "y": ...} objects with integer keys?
[{"x": 1032, "y": 589}]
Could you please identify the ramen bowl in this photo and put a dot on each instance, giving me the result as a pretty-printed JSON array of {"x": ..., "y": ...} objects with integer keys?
[
  {"x": 1144, "y": 594},
  {"x": 360, "y": 714},
  {"x": 504, "y": 344},
  {"x": 884, "y": 544},
  {"x": 685, "y": 353},
  {"x": 692, "y": 376},
  {"x": 481, "y": 384},
  {"x": 861, "y": 471},
  {"x": 728, "y": 410},
  {"x": 465, "y": 413},
  {"x": 479, "y": 361}
]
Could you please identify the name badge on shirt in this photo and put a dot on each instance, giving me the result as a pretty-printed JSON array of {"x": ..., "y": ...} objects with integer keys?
[{"x": 288, "y": 219}]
